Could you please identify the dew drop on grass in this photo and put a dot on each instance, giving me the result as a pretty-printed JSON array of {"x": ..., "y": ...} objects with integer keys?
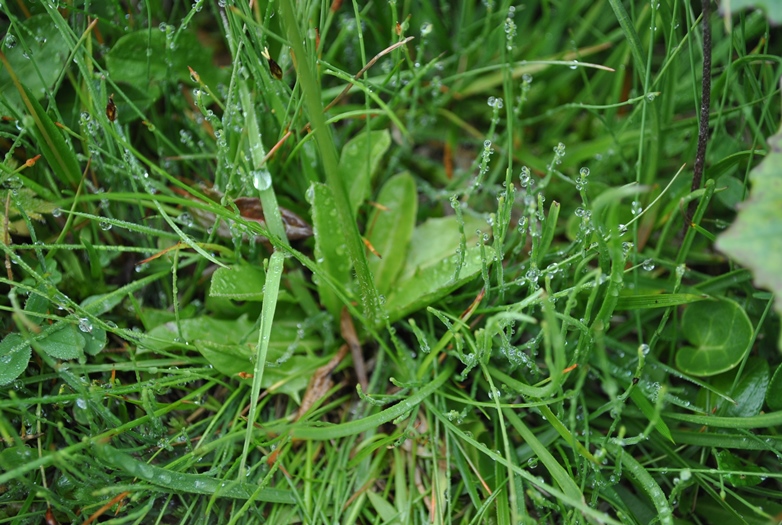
[
  {"x": 524, "y": 176},
  {"x": 262, "y": 179},
  {"x": 648, "y": 265},
  {"x": 164, "y": 477},
  {"x": 105, "y": 225},
  {"x": 636, "y": 208},
  {"x": 10, "y": 41}
]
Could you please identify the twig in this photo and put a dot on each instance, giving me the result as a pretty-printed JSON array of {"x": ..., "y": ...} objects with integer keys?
[{"x": 703, "y": 129}]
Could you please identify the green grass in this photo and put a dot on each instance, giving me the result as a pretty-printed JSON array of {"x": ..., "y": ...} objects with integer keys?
[{"x": 543, "y": 339}]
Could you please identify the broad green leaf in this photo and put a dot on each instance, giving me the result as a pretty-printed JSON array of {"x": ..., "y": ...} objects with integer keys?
[
  {"x": 750, "y": 392},
  {"x": 241, "y": 333},
  {"x": 229, "y": 345},
  {"x": 729, "y": 464},
  {"x": 331, "y": 251},
  {"x": 37, "y": 303},
  {"x": 144, "y": 61},
  {"x": 734, "y": 191},
  {"x": 755, "y": 237},
  {"x": 241, "y": 282},
  {"x": 428, "y": 274},
  {"x": 14, "y": 356},
  {"x": 391, "y": 229},
  {"x": 426, "y": 284},
  {"x": 102, "y": 303},
  {"x": 94, "y": 341},
  {"x": 15, "y": 457},
  {"x": 358, "y": 162},
  {"x": 772, "y": 8},
  {"x": 290, "y": 378},
  {"x": 438, "y": 238},
  {"x": 774, "y": 392},
  {"x": 65, "y": 342},
  {"x": 720, "y": 333},
  {"x": 40, "y": 39}
]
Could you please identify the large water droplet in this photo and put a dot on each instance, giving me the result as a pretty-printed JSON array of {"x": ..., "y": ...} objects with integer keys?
[{"x": 262, "y": 179}]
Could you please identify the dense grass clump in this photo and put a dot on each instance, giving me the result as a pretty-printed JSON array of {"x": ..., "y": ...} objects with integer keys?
[{"x": 390, "y": 262}]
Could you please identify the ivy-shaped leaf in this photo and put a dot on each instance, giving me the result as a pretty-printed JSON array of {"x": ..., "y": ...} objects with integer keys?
[
  {"x": 772, "y": 8},
  {"x": 754, "y": 239}
]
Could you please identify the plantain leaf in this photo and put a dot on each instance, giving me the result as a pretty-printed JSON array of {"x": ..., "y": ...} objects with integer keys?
[
  {"x": 391, "y": 229},
  {"x": 331, "y": 251},
  {"x": 358, "y": 162},
  {"x": 428, "y": 274}
]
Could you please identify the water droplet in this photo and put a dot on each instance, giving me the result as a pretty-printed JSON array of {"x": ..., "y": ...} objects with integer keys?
[
  {"x": 648, "y": 265},
  {"x": 85, "y": 325},
  {"x": 524, "y": 176},
  {"x": 10, "y": 41},
  {"x": 105, "y": 225},
  {"x": 574, "y": 64},
  {"x": 262, "y": 179}
]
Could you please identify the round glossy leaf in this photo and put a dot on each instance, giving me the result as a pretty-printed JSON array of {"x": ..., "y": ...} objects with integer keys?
[{"x": 720, "y": 334}]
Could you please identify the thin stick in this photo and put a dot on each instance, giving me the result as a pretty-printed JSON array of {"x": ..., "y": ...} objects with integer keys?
[{"x": 703, "y": 129}]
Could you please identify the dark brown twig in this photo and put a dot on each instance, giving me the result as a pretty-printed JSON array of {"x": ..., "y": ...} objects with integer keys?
[{"x": 703, "y": 128}]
